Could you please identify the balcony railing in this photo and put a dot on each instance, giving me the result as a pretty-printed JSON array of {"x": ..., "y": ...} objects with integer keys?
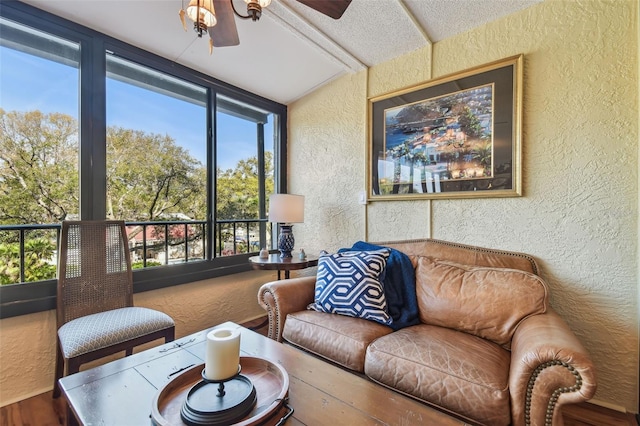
[{"x": 29, "y": 252}]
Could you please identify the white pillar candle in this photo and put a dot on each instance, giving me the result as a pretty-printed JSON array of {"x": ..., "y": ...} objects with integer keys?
[{"x": 223, "y": 354}]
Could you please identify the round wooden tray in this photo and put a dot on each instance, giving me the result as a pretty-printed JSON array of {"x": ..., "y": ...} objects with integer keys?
[{"x": 270, "y": 380}]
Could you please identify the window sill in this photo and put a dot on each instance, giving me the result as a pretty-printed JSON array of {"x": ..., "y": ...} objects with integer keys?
[{"x": 29, "y": 298}]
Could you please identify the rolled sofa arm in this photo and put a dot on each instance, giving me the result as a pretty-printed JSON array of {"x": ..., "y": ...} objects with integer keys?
[
  {"x": 283, "y": 297},
  {"x": 549, "y": 368}
]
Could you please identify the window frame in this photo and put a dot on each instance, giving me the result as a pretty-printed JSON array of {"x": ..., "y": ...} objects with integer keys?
[{"x": 25, "y": 298}]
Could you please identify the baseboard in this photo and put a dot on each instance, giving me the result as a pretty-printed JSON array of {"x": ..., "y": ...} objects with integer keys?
[
  {"x": 26, "y": 396},
  {"x": 264, "y": 315},
  {"x": 608, "y": 405}
]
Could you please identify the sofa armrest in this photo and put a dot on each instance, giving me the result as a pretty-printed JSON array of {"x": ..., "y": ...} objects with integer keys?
[
  {"x": 280, "y": 298},
  {"x": 549, "y": 368}
]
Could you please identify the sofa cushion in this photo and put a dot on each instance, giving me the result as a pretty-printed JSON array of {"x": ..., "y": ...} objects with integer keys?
[
  {"x": 399, "y": 285},
  {"x": 486, "y": 302},
  {"x": 456, "y": 371},
  {"x": 348, "y": 283},
  {"x": 338, "y": 338}
]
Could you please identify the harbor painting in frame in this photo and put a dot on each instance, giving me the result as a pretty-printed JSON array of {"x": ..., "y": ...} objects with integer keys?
[{"x": 458, "y": 136}]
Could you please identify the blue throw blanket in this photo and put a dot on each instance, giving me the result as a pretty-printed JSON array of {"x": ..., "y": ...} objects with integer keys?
[{"x": 399, "y": 286}]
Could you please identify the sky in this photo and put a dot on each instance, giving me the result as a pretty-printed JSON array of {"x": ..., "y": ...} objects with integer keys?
[{"x": 28, "y": 83}]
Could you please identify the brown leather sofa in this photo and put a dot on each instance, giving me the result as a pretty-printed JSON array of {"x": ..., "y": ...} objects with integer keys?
[{"x": 488, "y": 347}]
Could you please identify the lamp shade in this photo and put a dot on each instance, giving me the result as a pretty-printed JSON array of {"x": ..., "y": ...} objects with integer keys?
[
  {"x": 206, "y": 10},
  {"x": 286, "y": 208}
]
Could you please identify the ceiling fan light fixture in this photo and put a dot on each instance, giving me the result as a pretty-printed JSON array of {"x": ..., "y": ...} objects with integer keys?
[
  {"x": 203, "y": 15},
  {"x": 262, "y": 3},
  {"x": 254, "y": 8}
]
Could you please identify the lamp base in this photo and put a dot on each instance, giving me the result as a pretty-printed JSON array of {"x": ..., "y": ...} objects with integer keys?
[{"x": 286, "y": 241}]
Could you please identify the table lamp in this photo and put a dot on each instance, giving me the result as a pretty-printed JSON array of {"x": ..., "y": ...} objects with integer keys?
[{"x": 286, "y": 209}]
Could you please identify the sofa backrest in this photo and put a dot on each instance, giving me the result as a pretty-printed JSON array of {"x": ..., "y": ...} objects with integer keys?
[
  {"x": 464, "y": 254},
  {"x": 477, "y": 290}
]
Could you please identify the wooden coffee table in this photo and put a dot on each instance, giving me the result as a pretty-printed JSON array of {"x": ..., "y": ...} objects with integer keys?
[{"x": 121, "y": 392}]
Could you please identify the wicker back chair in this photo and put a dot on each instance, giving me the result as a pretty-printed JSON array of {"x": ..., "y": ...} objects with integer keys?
[{"x": 95, "y": 312}]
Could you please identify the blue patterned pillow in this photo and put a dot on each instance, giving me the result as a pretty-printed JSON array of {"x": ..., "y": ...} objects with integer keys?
[{"x": 348, "y": 283}]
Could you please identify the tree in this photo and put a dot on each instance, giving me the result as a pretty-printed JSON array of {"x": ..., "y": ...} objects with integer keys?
[
  {"x": 150, "y": 177},
  {"x": 421, "y": 159},
  {"x": 483, "y": 155},
  {"x": 38, "y": 265},
  {"x": 237, "y": 190},
  {"x": 398, "y": 152},
  {"x": 38, "y": 167},
  {"x": 469, "y": 123}
]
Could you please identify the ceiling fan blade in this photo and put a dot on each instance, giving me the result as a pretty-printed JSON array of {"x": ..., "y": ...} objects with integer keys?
[
  {"x": 331, "y": 8},
  {"x": 224, "y": 33}
]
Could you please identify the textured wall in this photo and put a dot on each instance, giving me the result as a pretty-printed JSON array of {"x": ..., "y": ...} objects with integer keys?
[
  {"x": 328, "y": 166},
  {"x": 388, "y": 221},
  {"x": 579, "y": 212},
  {"x": 580, "y": 142},
  {"x": 27, "y": 345}
]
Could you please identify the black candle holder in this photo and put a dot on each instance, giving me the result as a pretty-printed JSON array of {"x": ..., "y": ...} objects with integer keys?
[{"x": 219, "y": 402}]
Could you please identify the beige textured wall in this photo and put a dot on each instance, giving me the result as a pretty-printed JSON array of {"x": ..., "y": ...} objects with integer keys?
[
  {"x": 27, "y": 343},
  {"x": 579, "y": 212},
  {"x": 328, "y": 167},
  {"x": 388, "y": 221}
]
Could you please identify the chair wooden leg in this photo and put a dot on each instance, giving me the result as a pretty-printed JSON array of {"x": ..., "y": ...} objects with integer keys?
[
  {"x": 73, "y": 366},
  {"x": 59, "y": 371},
  {"x": 170, "y": 335},
  {"x": 128, "y": 352}
]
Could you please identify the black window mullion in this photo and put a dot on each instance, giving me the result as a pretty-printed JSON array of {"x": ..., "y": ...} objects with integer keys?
[
  {"x": 262, "y": 213},
  {"x": 93, "y": 133},
  {"x": 280, "y": 154},
  {"x": 212, "y": 165}
]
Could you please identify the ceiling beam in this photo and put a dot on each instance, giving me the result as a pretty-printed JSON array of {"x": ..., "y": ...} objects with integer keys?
[
  {"x": 308, "y": 32},
  {"x": 415, "y": 21}
]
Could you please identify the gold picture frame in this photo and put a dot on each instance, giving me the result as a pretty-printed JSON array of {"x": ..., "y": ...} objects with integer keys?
[{"x": 458, "y": 136}]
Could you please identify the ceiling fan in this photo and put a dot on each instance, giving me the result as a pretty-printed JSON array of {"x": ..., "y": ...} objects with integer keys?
[{"x": 217, "y": 16}]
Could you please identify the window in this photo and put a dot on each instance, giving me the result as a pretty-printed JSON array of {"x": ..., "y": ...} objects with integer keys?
[
  {"x": 244, "y": 176},
  {"x": 157, "y": 162},
  {"x": 187, "y": 161},
  {"x": 39, "y": 147}
]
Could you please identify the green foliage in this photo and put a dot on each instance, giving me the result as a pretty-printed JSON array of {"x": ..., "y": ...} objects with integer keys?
[
  {"x": 139, "y": 264},
  {"x": 149, "y": 178},
  {"x": 39, "y": 261},
  {"x": 38, "y": 167},
  {"x": 238, "y": 192},
  {"x": 469, "y": 123},
  {"x": 483, "y": 155}
]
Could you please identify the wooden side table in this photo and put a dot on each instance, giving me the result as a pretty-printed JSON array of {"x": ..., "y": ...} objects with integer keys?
[{"x": 275, "y": 263}]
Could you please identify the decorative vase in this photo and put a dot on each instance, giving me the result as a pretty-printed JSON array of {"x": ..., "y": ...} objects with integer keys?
[{"x": 285, "y": 241}]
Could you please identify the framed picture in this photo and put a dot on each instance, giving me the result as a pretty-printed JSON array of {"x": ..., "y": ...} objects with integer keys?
[{"x": 458, "y": 136}]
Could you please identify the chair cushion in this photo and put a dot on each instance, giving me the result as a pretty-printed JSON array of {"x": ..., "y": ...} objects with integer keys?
[
  {"x": 104, "y": 329},
  {"x": 348, "y": 283},
  {"x": 459, "y": 372},
  {"x": 338, "y": 338},
  {"x": 486, "y": 302}
]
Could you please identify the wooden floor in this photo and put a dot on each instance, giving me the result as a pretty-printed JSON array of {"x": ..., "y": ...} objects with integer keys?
[{"x": 42, "y": 410}]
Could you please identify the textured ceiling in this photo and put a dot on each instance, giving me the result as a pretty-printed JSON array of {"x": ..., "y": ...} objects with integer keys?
[{"x": 293, "y": 49}]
